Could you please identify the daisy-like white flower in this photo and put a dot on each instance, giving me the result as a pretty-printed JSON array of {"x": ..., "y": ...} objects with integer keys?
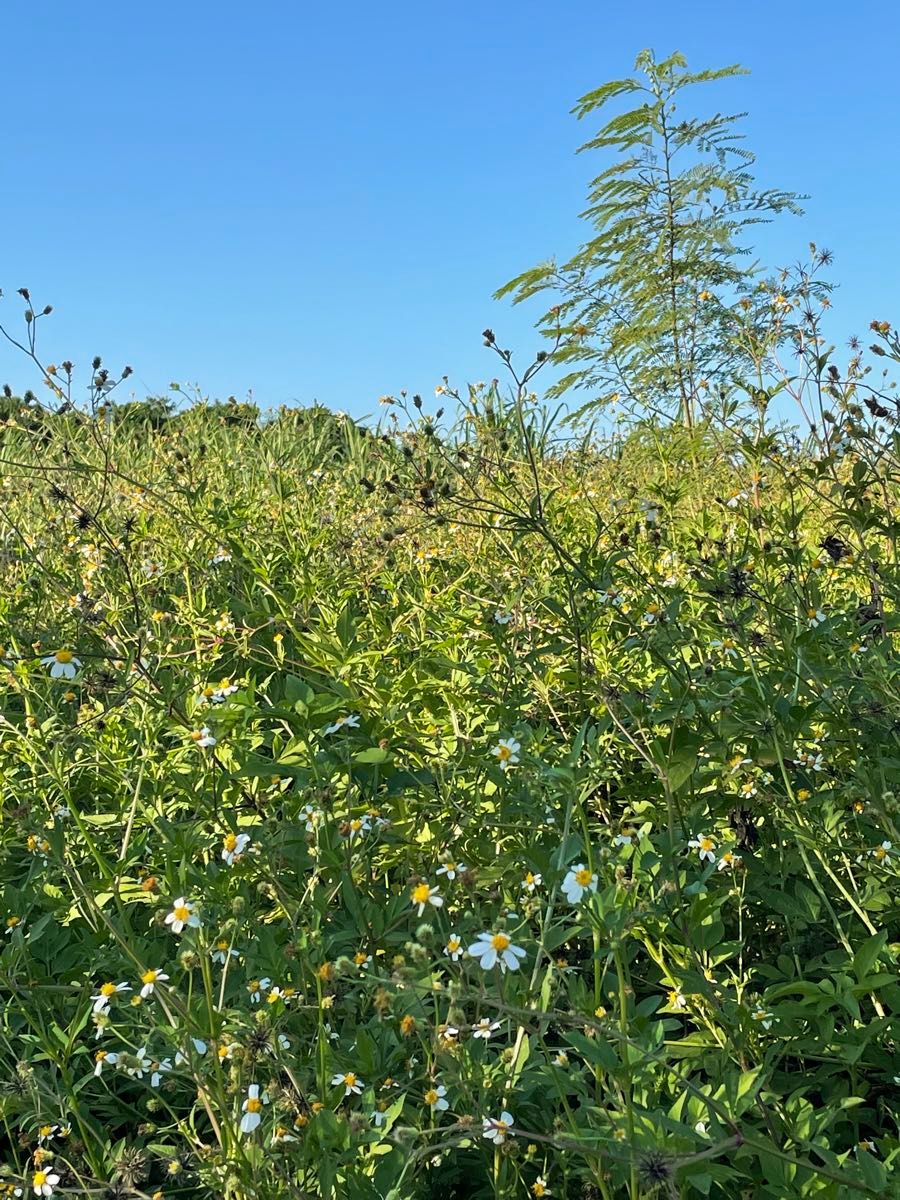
[
  {"x": 220, "y": 693},
  {"x": 507, "y": 752},
  {"x": 736, "y": 762},
  {"x": 223, "y": 951},
  {"x": 531, "y": 882},
  {"x": 728, "y": 646},
  {"x": 282, "y": 1134},
  {"x": 357, "y": 825},
  {"x": 485, "y": 1028},
  {"x": 105, "y": 993},
  {"x": 580, "y": 879},
  {"x": 182, "y": 915},
  {"x": 152, "y": 569},
  {"x": 220, "y": 556},
  {"x": 811, "y": 760},
  {"x": 311, "y": 816},
  {"x": 539, "y": 1188},
  {"x": 234, "y": 846},
  {"x": 729, "y": 861},
  {"x": 502, "y": 618},
  {"x": 677, "y": 999},
  {"x": 652, "y": 614},
  {"x": 362, "y": 960},
  {"x": 224, "y": 624},
  {"x": 448, "y": 1035},
  {"x": 423, "y": 894},
  {"x": 814, "y": 617},
  {"x": 497, "y": 1129},
  {"x": 494, "y": 948},
  {"x": 150, "y": 979},
  {"x": 762, "y": 1017},
  {"x": 624, "y": 837},
  {"x": 103, "y": 1058},
  {"x": 434, "y": 1098},
  {"x": 252, "y": 1108},
  {"x": 158, "y": 1069},
  {"x": 705, "y": 847},
  {"x": 256, "y": 987},
  {"x": 200, "y": 1047},
  {"x": 137, "y": 1064},
  {"x": 560, "y": 1059},
  {"x": 351, "y": 721},
  {"x": 454, "y": 947},
  {"x": 379, "y": 1116},
  {"x": 63, "y": 665},
  {"x": 451, "y": 870},
  {"x": 203, "y": 738},
  {"x": 12, "y": 924},
  {"x": 351, "y": 1083},
  {"x": 880, "y": 853},
  {"x": 44, "y": 1181}
]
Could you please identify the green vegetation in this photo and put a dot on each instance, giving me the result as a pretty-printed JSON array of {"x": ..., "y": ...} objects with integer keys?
[{"x": 462, "y": 807}]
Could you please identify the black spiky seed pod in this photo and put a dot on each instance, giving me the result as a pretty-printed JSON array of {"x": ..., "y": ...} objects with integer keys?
[{"x": 654, "y": 1168}]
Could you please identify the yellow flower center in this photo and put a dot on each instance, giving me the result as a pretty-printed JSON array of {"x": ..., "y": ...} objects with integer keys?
[
  {"x": 40, "y": 1178},
  {"x": 421, "y": 893},
  {"x": 500, "y": 942},
  {"x": 350, "y": 1079},
  {"x": 64, "y": 656},
  {"x": 222, "y": 944},
  {"x": 254, "y": 1105},
  {"x": 12, "y": 922},
  {"x": 451, "y": 867},
  {"x": 501, "y": 1126},
  {"x": 108, "y": 989},
  {"x": 356, "y": 824},
  {"x": 453, "y": 944},
  {"x": 182, "y": 912},
  {"x": 359, "y": 959},
  {"x": 503, "y": 753},
  {"x": 706, "y": 843},
  {"x": 149, "y": 977},
  {"x": 431, "y": 1096},
  {"x": 100, "y": 1055},
  {"x": 583, "y": 877},
  {"x": 880, "y": 852},
  {"x": 230, "y": 842}
]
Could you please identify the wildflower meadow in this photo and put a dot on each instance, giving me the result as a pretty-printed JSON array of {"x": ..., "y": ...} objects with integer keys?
[{"x": 483, "y": 800}]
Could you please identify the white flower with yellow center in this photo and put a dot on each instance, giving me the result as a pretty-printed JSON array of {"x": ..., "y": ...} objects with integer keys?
[
  {"x": 539, "y": 1188},
  {"x": 223, "y": 951},
  {"x": 502, "y": 618},
  {"x": 624, "y": 837},
  {"x": 729, "y": 861},
  {"x": 451, "y": 869},
  {"x": 234, "y": 846},
  {"x": 762, "y": 1018},
  {"x": 44, "y": 1181},
  {"x": 104, "y": 1058},
  {"x": 423, "y": 894},
  {"x": 531, "y": 882},
  {"x": 814, "y": 617},
  {"x": 705, "y": 847},
  {"x": 105, "y": 993},
  {"x": 454, "y": 947},
  {"x": 497, "y": 1129},
  {"x": 579, "y": 880},
  {"x": 256, "y": 987},
  {"x": 351, "y": 1083},
  {"x": 507, "y": 752},
  {"x": 485, "y": 1029},
  {"x": 434, "y": 1098},
  {"x": 63, "y": 665},
  {"x": 203, "y": 738},
  {"x": 182, "y": 915},
  {"x": 880, "y": 853},
  {"x": 252, "y": 1108},
  {"x": 150, "y": 979},
  {"x": 350, "y": 722},
  {"x": 677, "y": 999},
  {"x": 492, "y": 949}
]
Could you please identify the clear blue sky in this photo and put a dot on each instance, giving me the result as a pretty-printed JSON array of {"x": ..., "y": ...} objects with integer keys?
[{"x": 318, "y": 201}]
